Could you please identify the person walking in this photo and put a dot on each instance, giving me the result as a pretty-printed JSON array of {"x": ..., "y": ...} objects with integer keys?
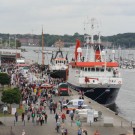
[
  {"x": 28, "y": 116},
  {"x": 78, "y": 123},
  {"x": 16, "y": 116},
  {"x": 23, "y": 116},
  {"x": 71, "y": 114},
  {"x": 85, "y": 132},
  {"x": 41, "y": 120},
  {"x": 79, "y": 132},
  {"x": 46, "y": 117},
  {"x": 33, "y": 117},
  {"x": 63, "y": 116},
  {"x": 56, "y": 117},
  {"x": 58, "y": 126}
]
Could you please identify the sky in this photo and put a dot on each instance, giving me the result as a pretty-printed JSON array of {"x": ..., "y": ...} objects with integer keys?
[{"x": 66, "y": 16}]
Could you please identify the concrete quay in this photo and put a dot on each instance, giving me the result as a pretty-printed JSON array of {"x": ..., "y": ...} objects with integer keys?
[
  {"x": 49, "y": 129},
  {"x": 120, "y": 125}
]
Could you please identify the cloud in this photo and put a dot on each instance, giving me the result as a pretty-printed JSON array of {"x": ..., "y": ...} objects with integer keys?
[{"x": 65, "y": 16}]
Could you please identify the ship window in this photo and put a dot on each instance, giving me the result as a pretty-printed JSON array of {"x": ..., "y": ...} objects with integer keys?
[
  {"x": 64, "y": 62},
  {"x": 92, "y": 69},
  {"x": 109, "y": 69},
  {"x": 56, "y": 61},
  {"x": 85, "y": 69},
  {"x": 97, "y": 69},
  {"x": 102, "y": 69},
  {"x": 88, "y": 69}
]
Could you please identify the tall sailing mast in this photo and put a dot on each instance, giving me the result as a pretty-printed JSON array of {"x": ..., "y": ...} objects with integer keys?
[{"x": 43, "y": 56}]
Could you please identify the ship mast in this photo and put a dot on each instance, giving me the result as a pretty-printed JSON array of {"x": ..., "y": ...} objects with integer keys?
[
  {"x": 89, "y": 40},
  {"x": 43, "y": 56}
]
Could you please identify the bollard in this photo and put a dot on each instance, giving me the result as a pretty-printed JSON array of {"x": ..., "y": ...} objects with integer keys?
[{"x": 14, "y": 122}]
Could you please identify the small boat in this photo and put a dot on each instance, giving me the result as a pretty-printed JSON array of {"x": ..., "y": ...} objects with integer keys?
[{"x": 59, "y": 65}]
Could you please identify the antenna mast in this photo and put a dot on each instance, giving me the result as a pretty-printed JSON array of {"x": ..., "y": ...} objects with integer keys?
[{"x": 43, "y": 57}]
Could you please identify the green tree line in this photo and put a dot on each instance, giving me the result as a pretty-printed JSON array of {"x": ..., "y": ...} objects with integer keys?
[{"x": 125, "y": 40}]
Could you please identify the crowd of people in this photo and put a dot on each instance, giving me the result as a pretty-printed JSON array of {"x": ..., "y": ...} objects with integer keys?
[{"x": 39, "y": 102}]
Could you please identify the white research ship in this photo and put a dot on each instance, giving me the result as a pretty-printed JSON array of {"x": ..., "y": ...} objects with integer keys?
[{"x": 98, "y": 78}]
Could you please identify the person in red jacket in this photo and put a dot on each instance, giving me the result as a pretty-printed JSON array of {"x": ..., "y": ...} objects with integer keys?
[{"x": 63, "y": 116}]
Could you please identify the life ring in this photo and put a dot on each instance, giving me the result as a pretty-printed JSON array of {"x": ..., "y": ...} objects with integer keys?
[{"x": 119, "y": 82}]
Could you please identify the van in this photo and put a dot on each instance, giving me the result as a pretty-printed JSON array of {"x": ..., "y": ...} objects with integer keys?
[{"x": 74, "y": 104}]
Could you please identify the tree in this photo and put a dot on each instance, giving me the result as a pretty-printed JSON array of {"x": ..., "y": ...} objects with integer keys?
[
  {"x": 18, "y": 43},
  {"x": 4, "y": 79},
  {"x": 11, "y": 96}
]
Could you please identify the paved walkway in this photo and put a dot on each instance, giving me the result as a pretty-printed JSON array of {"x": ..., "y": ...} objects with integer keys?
[
  {"x": 49, "y": 128},
  {"x": 33, "y": 129}
]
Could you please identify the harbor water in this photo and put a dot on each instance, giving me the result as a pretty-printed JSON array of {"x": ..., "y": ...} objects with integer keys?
[{"x": 125, "y": 102}]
